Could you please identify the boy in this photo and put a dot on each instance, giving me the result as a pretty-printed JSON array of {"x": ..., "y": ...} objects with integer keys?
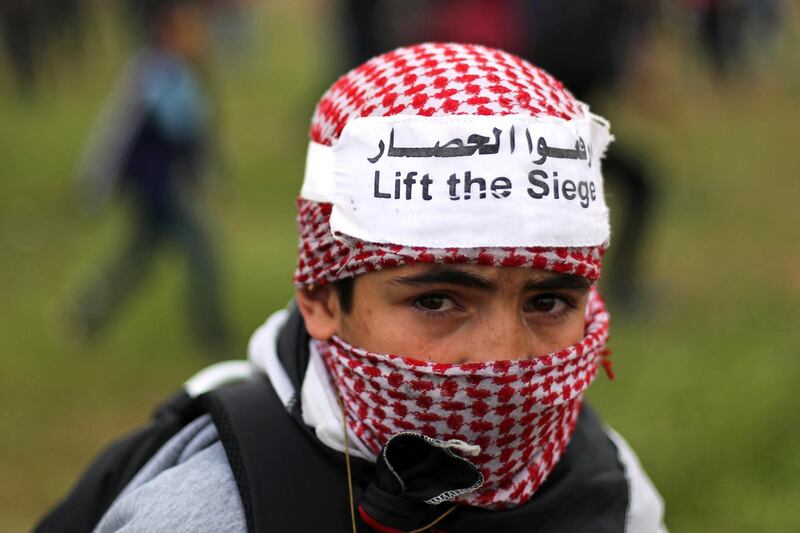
[{"x": 431, "y": 376}]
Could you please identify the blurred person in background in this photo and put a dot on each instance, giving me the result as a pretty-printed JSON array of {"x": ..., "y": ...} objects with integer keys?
[
  {"x": 67, "y": 23},
  {"x": 152, "y": 144},
  {"x": 34, "y": 31},
  {"x": 720, "y": 31},
  {"x": 20, "y": 24},
  {"x": 732, "y": 34},
  {"x": 588, "y": 44}
]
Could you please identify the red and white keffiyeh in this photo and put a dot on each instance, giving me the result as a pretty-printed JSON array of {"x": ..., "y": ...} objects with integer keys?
[
  {"x": 521, "y": 413},
  {"x": 432, "y": 80}
]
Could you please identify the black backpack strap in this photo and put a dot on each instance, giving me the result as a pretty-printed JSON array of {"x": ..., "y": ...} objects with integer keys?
[
  {"x": 287, "y": 481},
  {"x": 113, "y": 469}
]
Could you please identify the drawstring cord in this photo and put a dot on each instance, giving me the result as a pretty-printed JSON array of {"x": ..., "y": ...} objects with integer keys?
[
  {"x": 347, "y": 462},
  {"x": 430, "y": 526}
]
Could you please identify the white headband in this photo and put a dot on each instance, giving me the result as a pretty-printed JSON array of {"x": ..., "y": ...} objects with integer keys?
[{"x": 464, "y": 181}]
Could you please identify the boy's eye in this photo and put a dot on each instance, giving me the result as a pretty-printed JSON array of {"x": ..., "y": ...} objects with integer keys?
[
  {"x": 546, "y": 304},
  {"x": 434, "y": 302}
]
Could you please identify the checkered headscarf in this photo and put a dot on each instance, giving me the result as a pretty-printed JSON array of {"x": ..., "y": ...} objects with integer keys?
[{"x": 433, "y": 79}]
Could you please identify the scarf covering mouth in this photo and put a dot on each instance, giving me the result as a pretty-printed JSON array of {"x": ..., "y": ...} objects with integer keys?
[{"x": 521, "y": 413}]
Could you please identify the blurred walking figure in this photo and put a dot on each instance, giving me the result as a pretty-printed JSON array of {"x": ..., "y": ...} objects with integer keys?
[
  {"x": 20, "y": 28},
  {"x": 734, "y": 33},
  {"x": 66, "y": 24},
  {"x": 720, "y": 32},
  {"x": 152, "y": 144},
  {"x": 34, "y": 32}
]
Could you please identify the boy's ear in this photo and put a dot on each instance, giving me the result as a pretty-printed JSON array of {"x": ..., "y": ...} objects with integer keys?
[{"x": 320, "y": 309}]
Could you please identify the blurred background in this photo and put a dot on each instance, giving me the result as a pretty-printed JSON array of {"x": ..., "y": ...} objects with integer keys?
[{"x": 151, "y": 153}]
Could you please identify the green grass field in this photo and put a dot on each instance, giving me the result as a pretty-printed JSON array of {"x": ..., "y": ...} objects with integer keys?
[{"x": 706, "y": 387}]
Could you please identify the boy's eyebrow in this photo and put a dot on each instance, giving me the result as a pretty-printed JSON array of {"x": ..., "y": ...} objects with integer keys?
[
  {"x": 453, "y": 276},
  {"x": 450, "y": 276},
  {"x": 558, "y": 282}
]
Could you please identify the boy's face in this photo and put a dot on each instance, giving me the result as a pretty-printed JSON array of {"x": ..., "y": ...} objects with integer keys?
[{"x": 454, "y": 313}]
